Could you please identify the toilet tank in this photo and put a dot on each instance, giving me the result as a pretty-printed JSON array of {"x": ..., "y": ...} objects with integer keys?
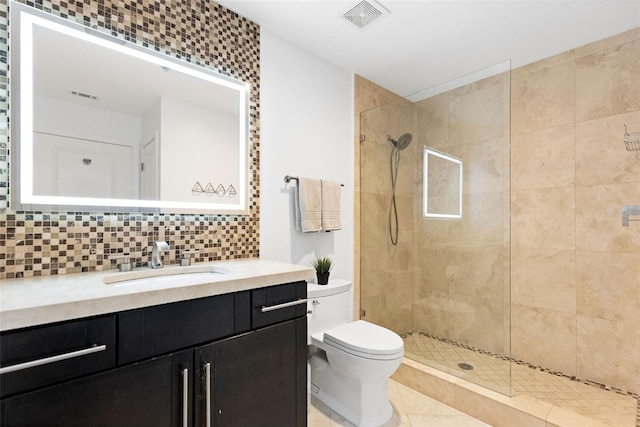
[{"x": 330, "y": 305}]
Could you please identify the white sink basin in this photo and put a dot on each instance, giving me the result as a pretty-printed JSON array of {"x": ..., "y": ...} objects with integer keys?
[{"x": 165, "y": 274}]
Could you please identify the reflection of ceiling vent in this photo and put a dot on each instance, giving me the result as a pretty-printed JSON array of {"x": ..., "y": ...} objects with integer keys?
[
  {"x": 84, "y": 95},
  {"x": 362, "y": 13}
]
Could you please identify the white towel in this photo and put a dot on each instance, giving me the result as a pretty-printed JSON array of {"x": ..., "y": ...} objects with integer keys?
[
  {"x": 331, "y": 206},
  {"x": 308, "y": 202}
]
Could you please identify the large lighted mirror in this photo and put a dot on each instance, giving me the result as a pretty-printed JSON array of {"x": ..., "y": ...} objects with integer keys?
[
  {"x": 442, "y": 185},
  {"x": 100, "y": 122}
]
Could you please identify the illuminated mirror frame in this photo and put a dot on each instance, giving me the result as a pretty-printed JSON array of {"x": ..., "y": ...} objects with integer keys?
[
  {"x": 431, "y": 152},
  {"x": 23, "y": 19}
]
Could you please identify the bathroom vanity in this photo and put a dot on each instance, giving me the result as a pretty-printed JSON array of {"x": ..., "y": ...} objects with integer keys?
[{"x": 232, "y": 352}]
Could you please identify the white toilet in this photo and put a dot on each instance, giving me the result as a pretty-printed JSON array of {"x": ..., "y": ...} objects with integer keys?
[{"x": 350, "y": 361}]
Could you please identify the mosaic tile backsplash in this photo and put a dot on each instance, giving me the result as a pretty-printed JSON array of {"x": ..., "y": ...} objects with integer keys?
[{"x": 45, "y": 243}]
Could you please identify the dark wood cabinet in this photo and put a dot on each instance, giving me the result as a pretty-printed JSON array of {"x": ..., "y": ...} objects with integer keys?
[
  {"x": 174, "y": 365},
  {"x": 255, "y": 379},
  {"x": 65, "y": 350},
  {"x": 148, "y": 393}
]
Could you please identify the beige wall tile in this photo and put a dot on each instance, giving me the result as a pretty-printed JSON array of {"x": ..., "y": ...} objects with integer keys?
[
  {"x": 543, "y": 159},
  {"x": 436, "y": 313},
  {"x": 543, "y": 218},
  {"x": 432, "y": 121},
  {"x": 485, "y": 165},
  {"x": 467, "y": 270},
  {"x": 608, "y": 285},
  {"x": 477, "y": 115},
  {"x": 399, "y": 307},
  {"x": 608, "y": 352},
  {"x": 608, "y": 43},
  {"x": 544, "y": 278},
  {"x": 483, "y": 324},
  {"x": 482, "y": 219},
  {"x": 375, "y": 215},
  {"x": 607, "y": 82},
  {"x": 601, "y": 157},
  {"x": 599, "y": 220},
  {"x": 543, "y": 99},
  {"x": 544, "y": 337},
  {"x": 392, "y": 119},
  {"x": 537, "y": 66},
  {"x": 369, "y": 95}
]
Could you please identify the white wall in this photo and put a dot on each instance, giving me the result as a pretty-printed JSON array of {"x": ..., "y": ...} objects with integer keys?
[
  {"x": 213, "y": 155},
  {"x": 306, "y": 129}
]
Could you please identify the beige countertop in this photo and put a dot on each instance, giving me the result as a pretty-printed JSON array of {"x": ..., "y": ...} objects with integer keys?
[{"x": 39, "y": 300}]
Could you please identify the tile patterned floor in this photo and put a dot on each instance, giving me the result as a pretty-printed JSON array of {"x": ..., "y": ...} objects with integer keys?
[
  {"x": 609, "y": 407},
  {"x": 410, "y": 409}
]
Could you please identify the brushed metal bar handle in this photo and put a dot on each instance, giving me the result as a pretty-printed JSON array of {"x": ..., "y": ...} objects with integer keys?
[
  {"x": 207, "y": 370},
  {"x": 265, "y": 309},
  {"x": 185, "y": 397},
  {"x": 52, "y": 359}
]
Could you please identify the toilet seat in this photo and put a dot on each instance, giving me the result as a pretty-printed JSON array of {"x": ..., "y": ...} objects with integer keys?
[{"x": 364, "y": 339}]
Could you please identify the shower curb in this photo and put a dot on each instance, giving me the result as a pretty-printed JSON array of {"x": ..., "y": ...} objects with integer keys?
[{"x": 486, "y": 405}]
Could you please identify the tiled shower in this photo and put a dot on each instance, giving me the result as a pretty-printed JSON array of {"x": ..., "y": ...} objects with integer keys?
[{"x": 539, "y": 269}]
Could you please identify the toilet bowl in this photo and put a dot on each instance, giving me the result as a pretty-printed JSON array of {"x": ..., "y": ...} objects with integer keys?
[{"x": 350, "y": 361}]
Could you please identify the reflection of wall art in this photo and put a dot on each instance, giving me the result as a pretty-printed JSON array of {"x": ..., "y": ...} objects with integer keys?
[
  {"x": 442, "y": 195},
  {"x": 197, "y": 188},
  {"x": 208, "y": 189}
]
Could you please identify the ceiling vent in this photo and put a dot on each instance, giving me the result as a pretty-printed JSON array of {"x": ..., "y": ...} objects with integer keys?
[
  {"x": 362, "y": 13},
  {"x": 84, "y": 95}
]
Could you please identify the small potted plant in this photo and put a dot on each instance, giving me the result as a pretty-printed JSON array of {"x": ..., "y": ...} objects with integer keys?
[{"x": 323, "y": 267}]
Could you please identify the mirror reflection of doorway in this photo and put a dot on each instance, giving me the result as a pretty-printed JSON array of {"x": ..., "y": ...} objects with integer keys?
[
  {"x": 149, "y": 179},
  {"x": 76, "y": 167}
]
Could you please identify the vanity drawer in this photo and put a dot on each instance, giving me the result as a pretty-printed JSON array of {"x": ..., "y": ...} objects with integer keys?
[
  {"x": 44, "y": 355},
  {"x": 269, "y": 305},
  {"x": 166, "y": 328}
]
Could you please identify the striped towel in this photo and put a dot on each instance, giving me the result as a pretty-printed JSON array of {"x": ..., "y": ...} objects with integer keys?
[
  {"x": 331, "y": 206},
  {"x": 308, "y": 204}
]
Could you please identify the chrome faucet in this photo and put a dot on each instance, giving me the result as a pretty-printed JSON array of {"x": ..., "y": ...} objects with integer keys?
[{"x": 159, "y": 248}]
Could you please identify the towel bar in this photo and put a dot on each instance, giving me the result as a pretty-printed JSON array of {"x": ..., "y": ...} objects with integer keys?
[{"x": 288, "y": 178}]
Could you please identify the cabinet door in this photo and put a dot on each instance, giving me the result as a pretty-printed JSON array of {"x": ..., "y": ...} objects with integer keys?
[
  {"x": 150, "y": 393},
  {"x": 259, "y": 378}
]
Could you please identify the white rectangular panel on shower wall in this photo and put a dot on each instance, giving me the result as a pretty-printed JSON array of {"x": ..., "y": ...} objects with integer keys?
[
  {"x": 81, "y": 168},
  {"x": 442, "y": 185}
]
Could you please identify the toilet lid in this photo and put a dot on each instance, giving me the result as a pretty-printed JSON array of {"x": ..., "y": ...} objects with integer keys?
[{"x": 366, "y": 339}]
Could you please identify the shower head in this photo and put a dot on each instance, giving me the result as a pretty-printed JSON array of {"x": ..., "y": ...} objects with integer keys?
[{"x": 402, "y": 142}]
